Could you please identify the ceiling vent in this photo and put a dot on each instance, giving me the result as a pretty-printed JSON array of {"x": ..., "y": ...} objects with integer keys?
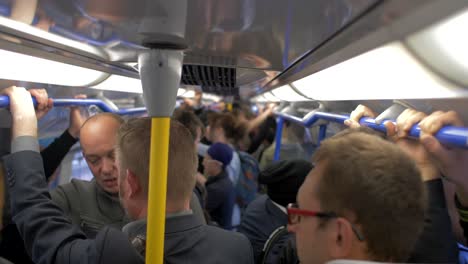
[{"x": 216, "y": 80}]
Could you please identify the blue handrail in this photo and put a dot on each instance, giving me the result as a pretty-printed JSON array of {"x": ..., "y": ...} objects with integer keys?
[
  {"x": 322, "y": 133},
  {"x": 449, "y": 135},
  {"x": 279, "y": 135},
  {"x": 5, "y": 102}
]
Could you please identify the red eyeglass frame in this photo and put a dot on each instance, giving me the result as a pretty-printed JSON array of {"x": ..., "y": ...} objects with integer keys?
[{"x": 293, "y": 209}]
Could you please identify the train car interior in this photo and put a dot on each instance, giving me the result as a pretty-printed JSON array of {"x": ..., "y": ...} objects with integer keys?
[{"x": 293, "y": 72}]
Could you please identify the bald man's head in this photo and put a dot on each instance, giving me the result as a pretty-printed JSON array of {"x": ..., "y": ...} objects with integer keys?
[{"x": 98, "y": 139}]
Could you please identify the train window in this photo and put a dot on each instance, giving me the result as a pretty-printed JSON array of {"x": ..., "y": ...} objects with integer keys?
[{"x": 79, "y": 168}]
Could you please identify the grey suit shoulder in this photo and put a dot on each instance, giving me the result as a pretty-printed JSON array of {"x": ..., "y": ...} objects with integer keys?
[
  {"x": 88, "y": 206},
  {"x": 188, "y": 240}
]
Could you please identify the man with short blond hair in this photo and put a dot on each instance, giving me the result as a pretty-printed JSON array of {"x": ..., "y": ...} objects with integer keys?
[
  {"x": 364, "y": 200},
  {"x": 187, "y": 237},
  {"x": 133, "y": 143}
]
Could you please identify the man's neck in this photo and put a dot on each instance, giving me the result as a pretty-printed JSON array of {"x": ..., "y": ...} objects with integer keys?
[
  {"x": 171, "y": 208},
  {"x": 175, "y": 208}
]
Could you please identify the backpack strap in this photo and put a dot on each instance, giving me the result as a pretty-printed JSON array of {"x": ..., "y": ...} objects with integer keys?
[{"x": 275, "y": 237}]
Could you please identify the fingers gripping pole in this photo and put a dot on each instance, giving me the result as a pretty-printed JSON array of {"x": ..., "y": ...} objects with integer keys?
[{"x": 157, "y": 188}]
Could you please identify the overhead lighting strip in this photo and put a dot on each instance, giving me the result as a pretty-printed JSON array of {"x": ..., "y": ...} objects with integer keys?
[{"x": 388, "y": 72}]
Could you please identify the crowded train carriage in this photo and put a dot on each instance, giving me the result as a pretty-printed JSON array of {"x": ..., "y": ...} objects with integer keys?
[{"x": 300, "y": 131}]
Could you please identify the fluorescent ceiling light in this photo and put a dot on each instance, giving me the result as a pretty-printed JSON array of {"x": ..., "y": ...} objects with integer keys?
[
  {"x": 259, "y": 99},
  {"x": 444, "y": 47},
  {"x": 120, "y": 84},
  {"x": 286, "y": 93},
  {"x": 125, "y": 84},
  {"x": 389, "y": 72},
  {"x": 211, "y": 97},
  {"x": 189, "y": 94},
  {"x": 181, "y": 91},
  {"x": 20, "y": 67},
  {"x": 39, "y": 33},
  {"x": 270, "y": 97}
]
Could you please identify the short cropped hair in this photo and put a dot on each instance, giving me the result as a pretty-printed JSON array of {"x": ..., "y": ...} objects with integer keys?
[
  {"x": 378, "y": 183},
  {"x": 190, "y": 121},
  {"x": 133, "y": 145}
]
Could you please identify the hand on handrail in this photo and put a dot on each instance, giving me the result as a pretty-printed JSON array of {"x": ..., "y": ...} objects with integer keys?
[
  {"x": 44, "y": 103},
  {"x": 452, "y": 162},
  {"x": 398, "y": 133},
  {"x": 76, "y": 119},
  {"x": 22, "y": 112}
]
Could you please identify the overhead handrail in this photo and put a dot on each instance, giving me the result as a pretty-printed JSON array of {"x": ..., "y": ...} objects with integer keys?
[
  {"x": 5, "y": 102},
  {"x": 448, "y": 135}
]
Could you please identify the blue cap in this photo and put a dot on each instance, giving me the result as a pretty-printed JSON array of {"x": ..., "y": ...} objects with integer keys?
[{"x": 221, "y": 152}]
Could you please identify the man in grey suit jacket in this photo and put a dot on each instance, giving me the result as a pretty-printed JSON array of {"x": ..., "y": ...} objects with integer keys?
[
  {"x": 50, "y": 238},
  {"x": 91, "y": 205}
]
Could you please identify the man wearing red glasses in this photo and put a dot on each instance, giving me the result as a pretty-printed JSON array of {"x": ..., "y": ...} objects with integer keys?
[{"x": 364, "y": 200}]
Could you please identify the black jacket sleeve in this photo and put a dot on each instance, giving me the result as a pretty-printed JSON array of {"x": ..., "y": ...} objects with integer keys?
[
  {"x": 11, "y": 246},
  {"x": 53, "y": 155},
  {"x": 463, "y": 214},
  {"x": 437, "y": 243},
  {"x": 48, "y": 236}
]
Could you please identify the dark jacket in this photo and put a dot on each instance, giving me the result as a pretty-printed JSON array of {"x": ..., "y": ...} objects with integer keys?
[
  {"x": 220, "y": 199},
  {"x": 88, "y": 206},
  {"x": 188, "y": 240},
  {"x": 260, "y": 219},
  {"x": 463, "y": 215},
  {"x": 437, "y": 243},
  {"x": 54, "y": 153},
  {"x": 4, "y": 261},
  {"x": 11, "y": 245},
  {"x": 50, "y": 238}
]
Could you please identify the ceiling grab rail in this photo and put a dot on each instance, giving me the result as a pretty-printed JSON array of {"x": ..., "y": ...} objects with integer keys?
[
  {"x": 5, "y": 102},
  {"x": 448, "y": 135}
]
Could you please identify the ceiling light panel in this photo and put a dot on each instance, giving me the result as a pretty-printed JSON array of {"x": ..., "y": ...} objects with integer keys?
[{"x": 388, "y": 72}]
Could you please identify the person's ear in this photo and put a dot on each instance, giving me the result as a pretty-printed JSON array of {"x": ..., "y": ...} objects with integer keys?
[
  {"x": 342, "y": 238},
  {"x": 218, "y": 164},
  {"x": 133, "y": 184}
]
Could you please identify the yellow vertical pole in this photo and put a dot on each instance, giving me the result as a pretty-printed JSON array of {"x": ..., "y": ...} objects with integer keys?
[{"x": 159, "y": 156}]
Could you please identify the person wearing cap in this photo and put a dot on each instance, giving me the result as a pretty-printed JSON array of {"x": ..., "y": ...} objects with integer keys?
[
  {"x": 219, "y": 188},
  {"x": 268, "y": 212}
]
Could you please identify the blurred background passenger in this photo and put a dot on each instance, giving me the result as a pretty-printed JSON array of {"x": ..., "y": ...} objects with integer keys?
[
  {"x": 2, "y": 203},
  {"x": 220, "y": 190},
  {"x": 291, "y": 139},
  {"x": 222, "y": 128},
  {"x": 268, "y": 212},
  {"x": 196, "y": 128}
]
